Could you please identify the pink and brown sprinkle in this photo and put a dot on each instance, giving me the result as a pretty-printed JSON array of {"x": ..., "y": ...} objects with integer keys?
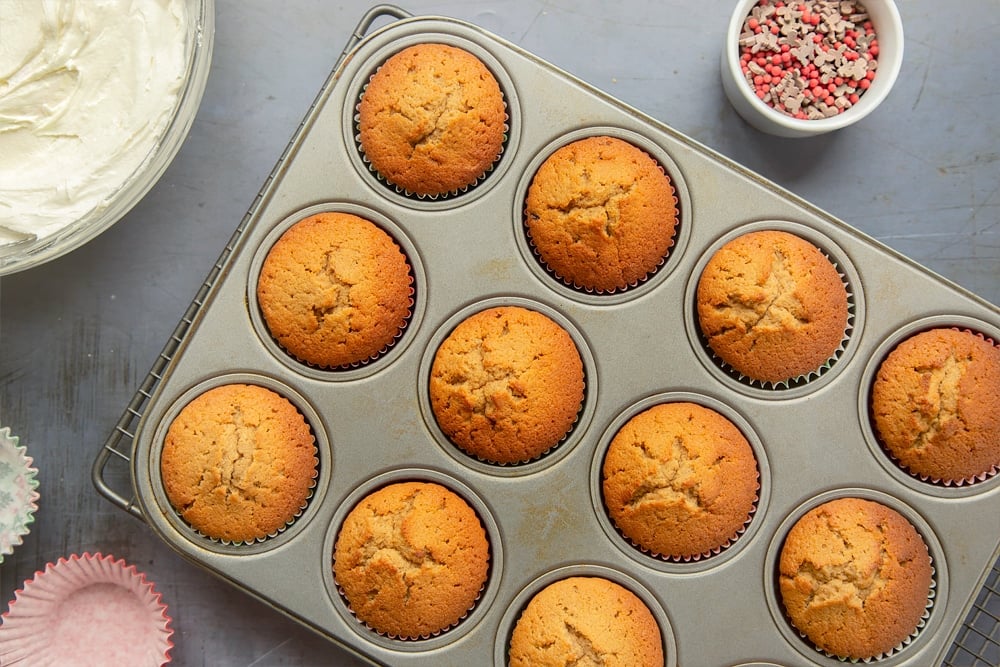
[{"x": 809, "y": 60}]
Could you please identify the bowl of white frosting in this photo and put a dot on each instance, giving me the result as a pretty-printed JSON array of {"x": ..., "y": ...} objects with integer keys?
[{"x": 96, "y": 98}]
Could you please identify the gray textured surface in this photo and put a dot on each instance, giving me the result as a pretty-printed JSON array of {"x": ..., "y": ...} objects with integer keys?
[{"x": 77, "y": 335}]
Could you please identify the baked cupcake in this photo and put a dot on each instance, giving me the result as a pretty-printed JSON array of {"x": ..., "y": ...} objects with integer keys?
[
  {"x": 411, "y": 559},
  {"x": 432, "y": 120},
  {"x": 772, "y": 306},
  {"x": 239, "y": 463},
  {"x": 335, "y": 290},
  {"x": 507, "y": 384},
  {"x": 601, "y": 214},
  {"x": 935, "y": 404},
  {"x": 855, "y": 578},
  {"x": 680, "y": 481},
  {"x": 586, "y": 621}
]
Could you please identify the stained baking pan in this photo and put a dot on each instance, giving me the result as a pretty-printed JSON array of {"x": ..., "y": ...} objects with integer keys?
[{"x": 545, "y": 519}]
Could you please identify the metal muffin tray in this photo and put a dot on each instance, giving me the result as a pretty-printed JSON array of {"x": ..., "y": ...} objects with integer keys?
[{"x": 545, "y": 519}]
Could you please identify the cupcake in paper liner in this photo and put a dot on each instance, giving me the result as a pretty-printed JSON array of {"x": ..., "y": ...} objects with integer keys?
[
  {"x": 335, "y": 291},
  {"x": 680, "y": 482},
  {"x": 507, "y": 385},
  {"x": 571, "y": 617},
  {"x": 935, "y": 406},
  {"x": 773, "y": 309},
  {"x": 422, "y": 550},
  {"x": 601, "y": 215},
  {"x": 432, "y": 121},
  {"x": 856, "y": 579},
  {"x": 239, "y": 463},
  {"x": 18, "y": 493},
  {"x": 86, "y": 611}
]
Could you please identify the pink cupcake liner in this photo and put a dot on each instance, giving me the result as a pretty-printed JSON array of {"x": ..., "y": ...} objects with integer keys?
[
  {"x": 87, "y": 610},
  {"x": 18, "y": 493}
]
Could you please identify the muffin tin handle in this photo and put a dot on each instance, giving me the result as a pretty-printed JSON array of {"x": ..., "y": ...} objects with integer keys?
[{"x": 365, "y": 24}]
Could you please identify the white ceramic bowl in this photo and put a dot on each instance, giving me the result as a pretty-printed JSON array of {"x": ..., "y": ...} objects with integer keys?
[
  {"x": 21, "y": 255},
  {"x": 889, "y": 31}
]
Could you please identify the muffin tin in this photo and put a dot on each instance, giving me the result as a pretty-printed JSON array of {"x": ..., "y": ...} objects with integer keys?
[{"x": 545, "y": 519}]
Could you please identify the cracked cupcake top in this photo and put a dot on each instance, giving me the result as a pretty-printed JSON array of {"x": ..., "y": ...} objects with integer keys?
[
  {"x": 586, "y": 620},
  {"x": 432, "y": 119},
  {"x": 772, "y": 306},
  {"x": 855, "y": 577},
  {"x": 601, "y": 213},
  {"x": 411, "y": 559},
  {"x": 680, "y": 480},
  {"x": 506, "y": 384},
  {"x": 936, "y": 405},
  {"x": 238, "y": 462},
  {"x": 335, "y": 290}
]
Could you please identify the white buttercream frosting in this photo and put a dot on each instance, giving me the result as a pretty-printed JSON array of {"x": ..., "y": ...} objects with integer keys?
[{"x": 87, "y": 88}]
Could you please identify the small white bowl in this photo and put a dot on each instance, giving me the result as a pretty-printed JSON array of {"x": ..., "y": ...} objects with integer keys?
[{"x": 889, "y": 30}]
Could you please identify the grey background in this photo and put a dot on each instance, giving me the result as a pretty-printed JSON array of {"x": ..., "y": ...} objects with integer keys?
[{"x": 77, "y": 335}]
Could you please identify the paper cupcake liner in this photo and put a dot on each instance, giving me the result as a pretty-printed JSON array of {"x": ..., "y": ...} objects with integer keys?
[
  {"x": 86, "y": 610},
  {"x": 385, "y": 181},
  {"x": 799, "y": 380},
  {"x": 729, "y": 542},
  {"x": 929, "y": 479},
  {"x": 921, "y": 624},
  {"x": 18, "y": 493},
  {"x": 615, "y": 290}
]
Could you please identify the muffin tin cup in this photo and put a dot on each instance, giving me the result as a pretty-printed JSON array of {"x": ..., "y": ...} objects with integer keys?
[
  {"x": 928, "y": 622},
  {"x": 388, "y": 352},
  {"x": 975, "y": 484},
  {"x": 699, "y": 562},
  {"x": 321, "y": 451},
  {"x": 522, "y": 598},
  {"x": 486, "y": 594},
  {"x": 666, "y": 165},
  {"x": 557, "y": 450},
  {"x": 374, "y": 423},
  {"x": 800, "y": 384},
  {"x": 442, "y": 200}
]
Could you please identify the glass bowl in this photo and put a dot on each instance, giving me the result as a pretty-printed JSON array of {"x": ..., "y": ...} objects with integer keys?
[{"x": 31, "y": 251}]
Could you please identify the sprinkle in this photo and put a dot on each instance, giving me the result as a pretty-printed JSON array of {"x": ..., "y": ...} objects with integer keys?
[{"x": 811, "y": 59}]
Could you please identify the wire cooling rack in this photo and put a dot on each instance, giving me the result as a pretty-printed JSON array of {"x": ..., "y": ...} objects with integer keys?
[{"x": 978, "y": 640}]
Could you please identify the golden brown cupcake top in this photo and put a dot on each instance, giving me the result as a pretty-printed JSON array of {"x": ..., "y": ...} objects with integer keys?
[
  {"x": 411, "y": 559},
  {"x": 586, "y": 621},
  {"x": 936, "y": 405},
  {"x": 432, "y": 119},
  {"x": 680, "y": 480},
  {"x": 238, "y": 462},
  {"x": 506, "y": 384},
  {"x": 855, "y": 577},
  {"x": 601, "y": 213},
  {"x": 335, "y": 290},
  {"x": 772, "y": 306}
]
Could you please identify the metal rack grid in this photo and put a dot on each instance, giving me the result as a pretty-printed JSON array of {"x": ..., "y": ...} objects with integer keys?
[{"x": 977, "y": 643}]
